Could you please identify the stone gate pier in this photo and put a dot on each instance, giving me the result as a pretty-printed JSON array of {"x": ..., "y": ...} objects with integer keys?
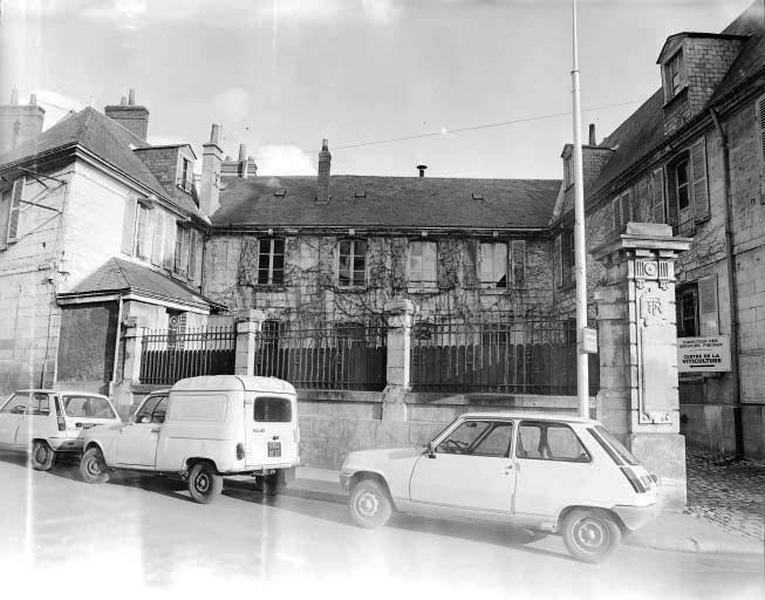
[{"x": 638, "y": 399}]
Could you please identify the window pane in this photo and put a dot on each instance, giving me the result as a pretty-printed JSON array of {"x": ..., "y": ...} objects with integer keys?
[
  {"x": 563, "y": 444},
  {"x": 358, "y": 263},
  {"x": 529, "y": 437},
  {"x": 16, "y": 404},
  {"x": 264, "y": 246},
  {"x": 76, "y": 406},
  {"x": 359, "y": 278},
  {"x": 264, "y": 260},
  {"x": 360, "y": 247},
  {"x": 148, "y": 408},
  {"x": 39, "y": 405},
  {"x": 497, "y": 442},
  {"x": 272, "y": 410},
  {"x": 345, "y": 247},
  {"x": 460, "y": 440},
  {"x": 160, "y": 411},
  {"x": 278, "y": 246},
  {"x": 100, "y": 409}
]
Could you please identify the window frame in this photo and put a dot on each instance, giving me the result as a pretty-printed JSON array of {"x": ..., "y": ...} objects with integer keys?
[
  {"x": 681, "y": 294},
  {"x": 567, "y": 258},
  {"x": 674, "y": 68},
  {"x": 546, "y": 425},
  {"x": 352, "y": 257},
  {"x": 495, "y": 283},
  {"x": 422, "y": 282},
  {"x": 492, "y": 425},
  {"x": 270, "y": 271}
]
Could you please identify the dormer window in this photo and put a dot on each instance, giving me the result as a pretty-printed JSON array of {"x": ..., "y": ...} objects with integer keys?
[
  {"x": 674, "y": 76},
  {"x": 568, "y": 171},
  {"x": 186, "y": 175}
]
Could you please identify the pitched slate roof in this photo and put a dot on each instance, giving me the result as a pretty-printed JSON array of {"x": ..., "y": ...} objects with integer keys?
[
  {"x": 363, "y": 201},
  {"x": 643, "y": 131},
  {"x": 121, "y": 276},
  {"x": 105, "y": 138}
]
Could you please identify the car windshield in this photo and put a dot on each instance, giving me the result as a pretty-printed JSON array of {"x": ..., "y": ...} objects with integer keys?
[{"x": 603, "y": 434}]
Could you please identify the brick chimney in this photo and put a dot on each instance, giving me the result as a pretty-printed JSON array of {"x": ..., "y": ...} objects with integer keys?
[
  {"x": 325, "y": 159},
  {"x": 212, "y": 158},
  {"x": 130, "y": 115},
  {"x": 19, "y": 122}
]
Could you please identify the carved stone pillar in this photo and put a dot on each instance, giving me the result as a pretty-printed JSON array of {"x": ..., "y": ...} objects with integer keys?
[
  {"x": 399, "y": 315},
  {"x": 248, "y": 323},
  {"x": 638, "y": 398}
]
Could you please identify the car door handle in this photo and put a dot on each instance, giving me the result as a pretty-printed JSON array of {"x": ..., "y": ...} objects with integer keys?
[
  {"x": 154, "y": 430},
  {"x": 259, "y": 430}
]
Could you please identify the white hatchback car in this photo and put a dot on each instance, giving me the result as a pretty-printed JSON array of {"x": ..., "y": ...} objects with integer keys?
[
  {"x": 561, "y": 474},
  {"x": 48, "y": 422}
]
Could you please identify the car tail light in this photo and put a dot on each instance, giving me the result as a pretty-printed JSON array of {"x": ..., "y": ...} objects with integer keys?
[
  {"x": 240, "y": 451},
  {"x": 654, "y": 478},
  {"x": 61, "y": 423},
  {"x": 637, "y": 485}
]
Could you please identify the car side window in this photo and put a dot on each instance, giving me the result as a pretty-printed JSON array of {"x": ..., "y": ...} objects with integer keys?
[
  {"x": 39, "y": 405},
  {"x": 478, "y": 438},
  {"x": 16, "y": 404},
  {"x": 160, "y": 411},
  {"x": 144, "y": 414},
  {"x": 541, "y": 440}
]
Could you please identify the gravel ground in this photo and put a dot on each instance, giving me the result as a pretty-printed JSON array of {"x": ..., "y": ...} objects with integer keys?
[{"x": 728, "y": 492}]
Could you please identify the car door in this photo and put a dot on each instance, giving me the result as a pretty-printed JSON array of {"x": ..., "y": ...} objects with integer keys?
[
  {"x": 270, "y": 430},
  {"x": 137, "y": 442},
  {"x": 554, "y": 468},
  {"x": 470, "y": 469},
  {"x": 37, "y": 421},
  {"x": 11, "y": 414}
]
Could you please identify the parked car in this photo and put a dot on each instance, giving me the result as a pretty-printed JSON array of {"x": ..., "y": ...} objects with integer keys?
[
  {"x": 48, "y": 422},
  {"x": 202, "y": 429},
  {"x": 560, "y": 474}
]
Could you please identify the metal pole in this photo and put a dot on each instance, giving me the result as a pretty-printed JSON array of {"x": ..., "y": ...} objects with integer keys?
[{"x": 582, "y": 386}]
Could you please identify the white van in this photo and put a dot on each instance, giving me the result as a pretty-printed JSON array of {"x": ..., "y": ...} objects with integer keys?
[
  {"x": 48, "y": 422},
  {"x": 202, "y": 429}
]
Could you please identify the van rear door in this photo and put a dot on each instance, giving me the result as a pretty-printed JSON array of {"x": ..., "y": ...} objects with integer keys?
[{"x": 271, "y": 431}]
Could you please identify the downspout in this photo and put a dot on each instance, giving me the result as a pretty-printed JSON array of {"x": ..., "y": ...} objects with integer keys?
[{"x": 738, "y": 426}]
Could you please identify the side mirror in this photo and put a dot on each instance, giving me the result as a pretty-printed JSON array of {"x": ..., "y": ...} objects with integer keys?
[
  {"x": 431, "y": 450},
  {"x": 144, "y": 419}
]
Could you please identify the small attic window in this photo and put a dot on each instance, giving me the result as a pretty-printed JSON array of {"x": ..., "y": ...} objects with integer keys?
[
  {"x": 477, "y": 196},
  {"x": 280, "y": 193},
  {"x": 674, "y": 76},
  {"x": 360, "y": 194}
]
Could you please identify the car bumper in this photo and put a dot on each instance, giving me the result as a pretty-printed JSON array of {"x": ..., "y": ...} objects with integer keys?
[
  {"x": 635, "y": 517},
  {"x": 66, "y": 444}
]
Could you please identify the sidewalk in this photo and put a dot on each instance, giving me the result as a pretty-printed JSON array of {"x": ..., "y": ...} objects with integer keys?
[{"x": 670, "y": 531}]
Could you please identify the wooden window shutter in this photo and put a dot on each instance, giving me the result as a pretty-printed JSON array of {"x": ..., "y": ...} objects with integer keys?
[
  {"x": 761, "y": 122},
  {"x": 658, "y": 196},
  {"x": 158, "y": 228},
  {"x": 193, "y": 238},
  {"x": 518, "y": 262},
  {"x": 617, "y": 211},
  {"x": 626, "y": 210},
  {"x": 128, "y": 225},
  {"x": 558, "y": 261},
  {"x": 13, "y": 215},
  {"x": 672, "y": 217},
  {"x": 708, "y": 306},
  {"x": 699, "y": 174},
  {"x": 169, "y": 251}
]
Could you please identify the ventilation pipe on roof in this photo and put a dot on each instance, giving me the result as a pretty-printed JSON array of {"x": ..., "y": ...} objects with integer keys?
[
  {"x": 421, "y": 169},
  {"x": 325, "y": 161}
]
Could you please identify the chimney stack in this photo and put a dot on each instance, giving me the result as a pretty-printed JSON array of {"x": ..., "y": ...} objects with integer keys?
[
  {"x": 592, "y": 135},
  {"x": 421, "y": 169},
  {"x": 209, "y": 188},
  {"x": 325, "y": 160},
  {"x": 131, "y": 116},
  {"x": 18, "y": 122}
]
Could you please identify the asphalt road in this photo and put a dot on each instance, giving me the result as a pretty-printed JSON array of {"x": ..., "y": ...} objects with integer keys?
[{"x": 135, "y": 535}]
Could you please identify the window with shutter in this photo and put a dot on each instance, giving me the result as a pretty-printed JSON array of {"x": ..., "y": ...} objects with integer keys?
[
  {"x": 557, "y": 261},
  {"x": 518, "y": 252},
  {"x": 657, "y": 191},
  {"x": 699, "y": 172},
  {"x": 5, "y": 208},
  {"x": 686, "y": 304},
  {"x": 13, "y": 217},
  {"x": 708, "y": 309},
  {"x": 622, "y": 210},
  {"x": 128, "y": 225}
]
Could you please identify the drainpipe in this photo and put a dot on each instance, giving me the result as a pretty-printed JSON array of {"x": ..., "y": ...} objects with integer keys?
[
  {"x": 732, "y": 288},
  {"x": 116, "y": 349}
]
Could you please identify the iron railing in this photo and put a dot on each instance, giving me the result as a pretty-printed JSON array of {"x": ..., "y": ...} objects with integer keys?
[
  {"x": 329, "y": 356},
  {"x": 519, "y": 356},
  {"x": 167, "y": 356}
]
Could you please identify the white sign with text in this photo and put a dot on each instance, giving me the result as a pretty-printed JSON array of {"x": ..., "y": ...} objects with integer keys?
[{"x": 703, "y": 354}]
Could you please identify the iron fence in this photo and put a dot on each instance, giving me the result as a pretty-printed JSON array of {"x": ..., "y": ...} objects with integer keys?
[
  {"x": 167, "y": 356},
  {"x": 339, "y": 356},
  {"x": 520, "y": 356}
]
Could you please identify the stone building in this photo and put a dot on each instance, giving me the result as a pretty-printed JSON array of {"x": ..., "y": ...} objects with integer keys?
[
  {"x": 96, "y": 226},
  {"x": 693, "y": 156}
]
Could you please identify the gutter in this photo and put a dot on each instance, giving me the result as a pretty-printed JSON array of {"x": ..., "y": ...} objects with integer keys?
[{"x": 738, "y": 425}]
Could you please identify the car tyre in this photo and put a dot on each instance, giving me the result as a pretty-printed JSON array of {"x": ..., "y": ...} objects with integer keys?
[
  {"x": 591, "y": 535},
  {"x": 43, "y": 456},
  {"x": 204, "y": 483},
  {"x": 93, "y": 467},
  {"x": 370, "y": 504}
]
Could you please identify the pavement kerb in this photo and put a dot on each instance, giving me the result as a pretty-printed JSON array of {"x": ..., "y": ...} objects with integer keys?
[{"x": 711, "y": 541}]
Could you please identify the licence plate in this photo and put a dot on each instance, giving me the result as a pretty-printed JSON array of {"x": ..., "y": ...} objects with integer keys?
[{"x": 274, "y": 449}]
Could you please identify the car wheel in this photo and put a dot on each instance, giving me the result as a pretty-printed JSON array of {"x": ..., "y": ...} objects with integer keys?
[
  {"x": 42, "y": 456},
  {"x": 591, "y": 535},
  {"x": 370, "y": 504},
  {"x": 204, "y": 483},
  {"x": 93, "y": 467},
  {"x": 274, "y": 484}
]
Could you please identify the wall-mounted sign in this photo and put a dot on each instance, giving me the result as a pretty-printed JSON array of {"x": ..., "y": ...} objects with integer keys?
[
  {"x": 703, "y": 354},
  {"x": 589, "y": 340}
]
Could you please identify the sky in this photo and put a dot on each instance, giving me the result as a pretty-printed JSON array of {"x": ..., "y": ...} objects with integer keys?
[{"x": 280, "y": 75}]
